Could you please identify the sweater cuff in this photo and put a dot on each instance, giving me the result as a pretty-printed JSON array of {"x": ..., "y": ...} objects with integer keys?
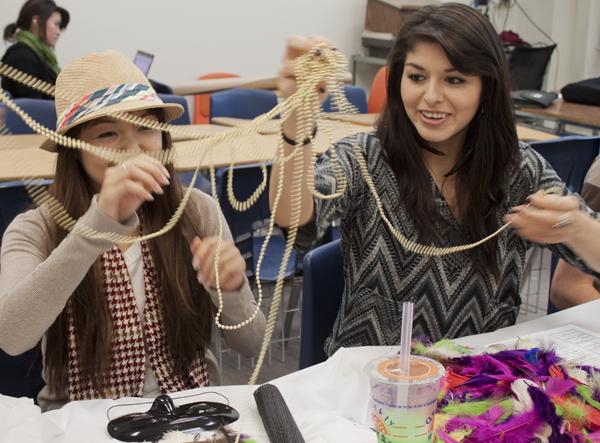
[
  {"x": 95, "y": 219},
  {"x": 234, "y": 302}
]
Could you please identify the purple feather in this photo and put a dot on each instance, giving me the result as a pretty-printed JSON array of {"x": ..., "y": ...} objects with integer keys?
[
  {"x": 546, "y": 411},
  {"x": 518, "y": 429},
  {"x": 558, "y": 387},
  {"x": 594, "y": 436},
  {"x": 458, "y": 423},
  {"x": 441, "y": 435}
]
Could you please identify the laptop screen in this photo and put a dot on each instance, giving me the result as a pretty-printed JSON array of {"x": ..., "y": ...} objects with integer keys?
[{"x": 143, "y": 61}]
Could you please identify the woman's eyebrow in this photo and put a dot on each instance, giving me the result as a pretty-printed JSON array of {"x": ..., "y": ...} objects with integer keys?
[{"x": 421, "y": 68}]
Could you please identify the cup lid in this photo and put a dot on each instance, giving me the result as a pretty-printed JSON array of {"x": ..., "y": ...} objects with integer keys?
[{"x": 421, "y": 369}]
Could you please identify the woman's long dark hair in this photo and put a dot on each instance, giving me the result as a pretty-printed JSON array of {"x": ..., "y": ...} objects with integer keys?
[
  {"x": 491, "y": 148},
  {"x": 186, "y": 307}
]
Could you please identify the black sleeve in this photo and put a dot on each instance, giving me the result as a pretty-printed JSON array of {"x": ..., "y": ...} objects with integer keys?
[{"x": 25, "y": 60}]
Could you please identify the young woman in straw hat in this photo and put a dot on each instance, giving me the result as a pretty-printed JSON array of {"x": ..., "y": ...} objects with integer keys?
[
  {"x": 119, "y": 320},
  {"x": 449, "y": 170}
]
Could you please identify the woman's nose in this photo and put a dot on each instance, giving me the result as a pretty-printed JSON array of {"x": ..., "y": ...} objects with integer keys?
[{"x": 434, "y": 93}]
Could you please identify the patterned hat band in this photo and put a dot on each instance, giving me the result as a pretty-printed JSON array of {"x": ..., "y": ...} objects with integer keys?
[{"x": 106, "y": 97}]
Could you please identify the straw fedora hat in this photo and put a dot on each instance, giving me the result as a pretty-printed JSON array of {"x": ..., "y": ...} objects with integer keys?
[{"x": 99, "y": 84}]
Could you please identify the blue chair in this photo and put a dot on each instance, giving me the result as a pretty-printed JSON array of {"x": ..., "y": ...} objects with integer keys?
[
  {"x": 180, "y": 100},
  {"x": 160, "y": 88},
  {"x": 241, "y": 103},
  {"x": 570, "y": 157},
  {"x": 14, "y": 199},
  {"x": 248, "y": 228},
  {"x": 43, "y": 111},
  {"x": 322, "y": 289},
  {"x": 355, "y": 95},
  {"x": 21, "y": 375}
]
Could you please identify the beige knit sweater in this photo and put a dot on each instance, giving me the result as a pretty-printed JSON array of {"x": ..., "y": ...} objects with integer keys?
[{"x": 35, "y": 283}]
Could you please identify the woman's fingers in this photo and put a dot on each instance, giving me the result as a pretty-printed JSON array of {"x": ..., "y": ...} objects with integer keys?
[
  {"x": 553, "y": 202},
  {"x": 296, "y": 46},
  {"x": 547, "y": 219},
  {"x": 134, "y": 188},
  {"x": 231, "y": 264}
]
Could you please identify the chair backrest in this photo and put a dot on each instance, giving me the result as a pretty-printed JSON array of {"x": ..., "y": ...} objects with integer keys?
[
  {"x": 42, "y": 111},
  {"x": 551, "y": 309},
  {"x": 160, "y": 88},
  {"x": 21, "y": 375},
  {"x": 355, "y": 95},
  {"x": 322, "y": 288},
  {"x": 14, "y": 199},
  {"x": 180, "y": 100},
  {"x": 202, "y": 101},
  {"x": 246, "y": 179},
  {"x": 528, "y": 66},
  {"x": 378, "y": 95},
  {"x": 241, "y": 103},
  {"x": 570, "y": 157}
]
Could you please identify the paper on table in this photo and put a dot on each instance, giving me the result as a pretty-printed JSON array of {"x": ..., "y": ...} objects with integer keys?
[{"x": 574, "y": 344}]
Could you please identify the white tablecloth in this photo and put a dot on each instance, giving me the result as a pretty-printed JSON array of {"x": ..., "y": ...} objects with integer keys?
[{"x": 328, "y": 401}]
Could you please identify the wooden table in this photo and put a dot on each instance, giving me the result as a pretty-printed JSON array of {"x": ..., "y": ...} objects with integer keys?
[
  {"x": 524, "y": 133},
  {"x": 221, "y": 84},
  {"x": 567, "y": 113},
  {"x": 20, "y": 155}
]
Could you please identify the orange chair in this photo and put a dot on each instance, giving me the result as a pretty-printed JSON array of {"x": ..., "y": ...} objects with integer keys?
[
  {"x": 202, "y": 101},
  {"x": 378, "y": 94}
]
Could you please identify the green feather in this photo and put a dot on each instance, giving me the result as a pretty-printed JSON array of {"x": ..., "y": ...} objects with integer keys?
[
  {"x": 586, "y": 394},
  {"x": 571, "y": 411},
  {"x": 475, "y": 408}
]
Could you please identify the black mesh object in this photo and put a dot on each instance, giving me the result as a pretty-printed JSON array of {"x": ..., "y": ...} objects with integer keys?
[{"x": 275, "y": 415}]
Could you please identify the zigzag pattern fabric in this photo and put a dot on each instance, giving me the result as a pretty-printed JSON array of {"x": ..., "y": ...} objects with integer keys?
[
  {"x": 132, "y": 342},
  {"x": 452, "y": 298}
]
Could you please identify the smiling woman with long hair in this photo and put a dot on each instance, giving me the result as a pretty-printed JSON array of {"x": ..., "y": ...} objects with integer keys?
[
  {"x": 120, "y": 320},
  {"x": 449, "y": 170}
]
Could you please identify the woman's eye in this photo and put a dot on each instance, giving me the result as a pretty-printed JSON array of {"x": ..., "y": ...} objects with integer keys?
[
  {"x": 455, "y": 80},
  {"x": 107, "y": 134},
  {"x": 415, "y": 77}
]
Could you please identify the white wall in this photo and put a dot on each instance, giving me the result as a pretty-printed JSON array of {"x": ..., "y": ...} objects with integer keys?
[
  {"x": 573, "y": 24},
  {"x": 192, "y": 37}
]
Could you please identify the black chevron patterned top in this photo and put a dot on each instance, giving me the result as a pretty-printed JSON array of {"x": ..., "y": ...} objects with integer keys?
[{"x": 452, "y": 298}]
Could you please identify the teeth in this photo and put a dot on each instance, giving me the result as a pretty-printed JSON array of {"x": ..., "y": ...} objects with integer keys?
[{"x": 433, "y": 114}]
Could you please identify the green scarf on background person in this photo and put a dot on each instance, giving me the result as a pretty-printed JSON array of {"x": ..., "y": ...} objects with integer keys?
[{"x": 40, "y": 48}]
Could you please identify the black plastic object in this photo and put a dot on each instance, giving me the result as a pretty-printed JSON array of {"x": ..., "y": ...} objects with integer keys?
[
  {"x": 276, "y": 416},
  {"x": 164, "y": 416}
]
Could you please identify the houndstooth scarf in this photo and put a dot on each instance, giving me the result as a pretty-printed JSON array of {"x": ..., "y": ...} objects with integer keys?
[{"x": 132, "y": 344}]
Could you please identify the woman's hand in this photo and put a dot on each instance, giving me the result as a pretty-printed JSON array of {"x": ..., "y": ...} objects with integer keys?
[
  {"x": 296, "y": 46},
  {"x": 547, "y": 218},
  {"x": 126, "y": 186},
  {"x": 232, "y": 266}
]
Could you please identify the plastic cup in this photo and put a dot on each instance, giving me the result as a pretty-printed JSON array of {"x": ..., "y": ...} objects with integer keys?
[{"x": 402, "y": 407}]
